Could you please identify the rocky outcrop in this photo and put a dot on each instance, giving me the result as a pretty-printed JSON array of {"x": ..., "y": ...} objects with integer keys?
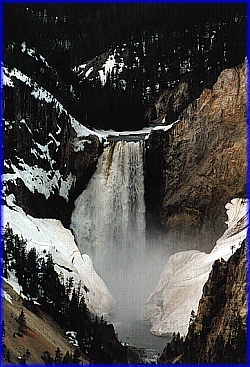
[
  {"x": 180, "y": 285},
  {"x": 173, "y": 100},
  {"x": 218, "y": 332},
  {"x": 41, "y": 333},
  {"x": 40, "y": 145},
  {"x": 195, "y": 168}
]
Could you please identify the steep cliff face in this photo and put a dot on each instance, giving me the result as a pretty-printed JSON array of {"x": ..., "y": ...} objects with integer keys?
[
  {"x": 173, "y": 100},
  {"x": 180, "y": 285},
  {"x": 220, "y": 325},
  {"x": 218, "y": 332},
  {"x": 200, "y": 164},
  {"x": 44, "y": 169}
]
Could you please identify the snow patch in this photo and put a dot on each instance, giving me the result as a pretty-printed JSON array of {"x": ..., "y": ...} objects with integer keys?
[
  {"x": 88, "y": 72},
  {"x": 181, "y": 282},
  {"x": 37, "y": 179},
  {"x": 72, "y": 337},
  {"x": 7, "y": 297},
  {"x": 49, "y": 236},
  {"x": 165, "y": 128},
  {"x": 31, "y": 52},
  {"x": 13, "y": 282},
  {"x": 114, "y": 62},
  {"x": 6, "y": 80},
  {"x": 110, "y": 65}
]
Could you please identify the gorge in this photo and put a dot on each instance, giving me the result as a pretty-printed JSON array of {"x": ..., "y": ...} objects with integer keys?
[{"x": 136, "y": 215}]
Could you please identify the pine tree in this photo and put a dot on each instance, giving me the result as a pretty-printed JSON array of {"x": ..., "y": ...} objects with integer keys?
[
  {"x": 58, "y": 357},
  {"x": 69, "y": 286},
  {"x": 32, "y": 273},
  {"x": 67, "y": 359},
  {"x": 46, "y": 357},
  {"x": 76, "y": 356},
  {"x": 21, "y": 320}
]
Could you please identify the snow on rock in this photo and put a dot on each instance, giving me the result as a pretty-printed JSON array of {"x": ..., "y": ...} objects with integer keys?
[
  {"x": 13, "y": 282},
  {"x": 71, "y": 335},
  {"x": 42, "y": 94},
  {"x": 110, "y": 64},
  {"x": 181, "y": 282},
  {"x": 7, "y": 297},
  {"x": 165, "y": 127},
  {"x": 49, "y": 236},
  {"x": 114, "y": 62},
  {"x": 32, "y": 53},
  {"x": 37, "y": 179}
]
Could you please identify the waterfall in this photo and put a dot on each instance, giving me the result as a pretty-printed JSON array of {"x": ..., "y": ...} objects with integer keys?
[
  {"x": 108, "y": 223},
  {"x": 109, "y": 216}
]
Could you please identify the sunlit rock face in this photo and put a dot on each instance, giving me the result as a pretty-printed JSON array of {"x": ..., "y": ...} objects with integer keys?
[
  {"x": 218, "y": 333},
  {"x": 181, "y": 282},
  {"x": 200, "y": 164},
  {"x": 223, "y": 306}
]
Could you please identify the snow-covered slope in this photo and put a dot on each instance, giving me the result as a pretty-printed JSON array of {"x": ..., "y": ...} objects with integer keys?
[
  {"x": 49, "y": 236},
  {"x": 44, "y": 176},
  {"x": 36, "y": 177},
  {"x": 108, "y": 63},
  {"x": 36, "y": 163},
  {"x": 180, "y": 286}
]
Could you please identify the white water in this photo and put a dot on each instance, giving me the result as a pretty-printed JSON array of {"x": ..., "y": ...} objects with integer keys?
[
  {"x": 109, "y": 216},
  {"x": 109, "y": 225}
]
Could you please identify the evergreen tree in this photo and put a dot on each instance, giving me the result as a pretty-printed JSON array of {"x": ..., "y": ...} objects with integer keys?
[
  {"x": 21, "y": 320},
  {"x": 46, "y": 357},
  {"x": 32, "y": 273},
  {"x": 69, "y": 286},
  {"x": 67, "y": 359},
  {"x": 76, "y": 356},
  {"x": 58, "y": 357}
]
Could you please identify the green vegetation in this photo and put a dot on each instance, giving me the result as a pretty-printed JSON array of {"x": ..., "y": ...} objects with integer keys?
[{"x": 60, "y": 299}]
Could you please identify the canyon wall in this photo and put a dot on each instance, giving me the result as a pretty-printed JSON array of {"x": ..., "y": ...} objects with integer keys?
[
  {"x": 197, "y": 166},
  {"x": 217, "y": 334},
  {"x": 40, "y": 139}
]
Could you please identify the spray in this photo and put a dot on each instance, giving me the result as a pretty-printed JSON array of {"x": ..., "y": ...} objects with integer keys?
[{"x": 109, "y": 225}]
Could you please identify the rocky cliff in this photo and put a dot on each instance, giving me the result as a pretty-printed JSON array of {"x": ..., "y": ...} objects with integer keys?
[
  {"x": 218, "y": 333},
  {"x": 40, "y": 143},
  {"x": 197, "y": 166},
  {"x": 180, "y": 285},
  {"x": 192, "y": 169},
  {"x": 41, "y": 337}
]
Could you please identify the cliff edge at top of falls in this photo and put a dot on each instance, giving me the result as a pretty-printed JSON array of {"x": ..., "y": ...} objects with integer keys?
[{"x": 195, "y": 168}]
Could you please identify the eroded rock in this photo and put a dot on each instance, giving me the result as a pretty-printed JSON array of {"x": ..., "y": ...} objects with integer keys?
[{"x": 200, "y": 164}]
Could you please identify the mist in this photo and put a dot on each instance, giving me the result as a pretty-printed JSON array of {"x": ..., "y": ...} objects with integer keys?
[
  {"x": 131, "y": 277},
  {"x": 109, "y": 224}
]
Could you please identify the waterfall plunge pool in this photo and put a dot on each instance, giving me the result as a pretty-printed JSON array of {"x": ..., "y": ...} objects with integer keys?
[
  {"x": 137, "y": 334},
  {"x": 109, "y": 225}
]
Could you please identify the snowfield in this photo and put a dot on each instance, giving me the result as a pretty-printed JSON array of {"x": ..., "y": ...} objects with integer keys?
[
  {"x": 49, "y": 236},
  {"x": 181, "y": 282}
]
